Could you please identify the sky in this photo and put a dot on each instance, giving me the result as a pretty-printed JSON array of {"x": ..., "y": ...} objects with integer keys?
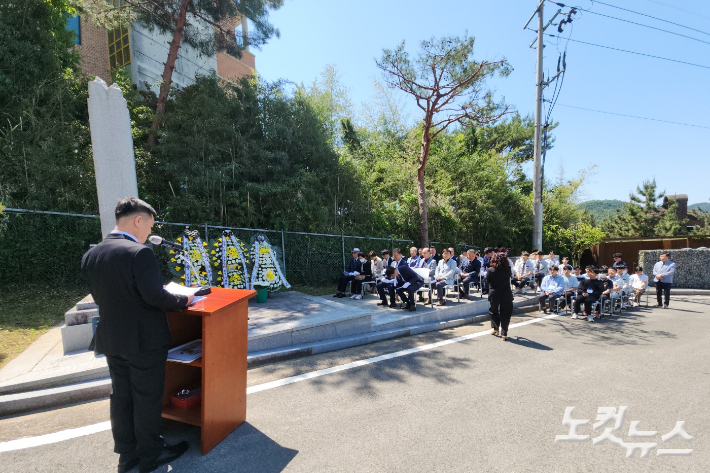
[{"x": 626, "y": 151}]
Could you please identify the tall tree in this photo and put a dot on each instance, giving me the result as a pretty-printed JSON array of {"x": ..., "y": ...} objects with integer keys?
[
  {"x": 639, "y": 216},
  {"x": 206, "y": 25},
  {"x": 448, "y": 85}
]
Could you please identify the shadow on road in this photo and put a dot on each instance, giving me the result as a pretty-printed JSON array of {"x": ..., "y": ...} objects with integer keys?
[
  {"x": 526, "y": 342},
  {"x": 247, "y": 449}
]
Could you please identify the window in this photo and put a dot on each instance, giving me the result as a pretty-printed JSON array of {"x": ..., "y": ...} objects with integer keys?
[
  {"x": 73, "y": 24},
  {"x": 119, "y": 49}
]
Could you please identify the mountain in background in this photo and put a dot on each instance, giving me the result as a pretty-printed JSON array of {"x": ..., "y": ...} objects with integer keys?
[
  {"x": 600, "y": 209},
  {"x": 702, "y": 206}
]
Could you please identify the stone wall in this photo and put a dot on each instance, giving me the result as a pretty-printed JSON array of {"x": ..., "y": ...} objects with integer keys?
[{"x": 691, "y": 269}]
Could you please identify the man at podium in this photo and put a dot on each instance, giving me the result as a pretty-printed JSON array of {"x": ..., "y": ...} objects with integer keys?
[{"x": 133, "y": 333}]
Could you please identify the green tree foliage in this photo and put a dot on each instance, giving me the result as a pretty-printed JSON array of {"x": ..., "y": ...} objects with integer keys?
[
  {"x": 448, "y": 85},
  {"x": 602, "y": 209},
  {"x": 576, "y": 238},
  {"x": 44, "y": 137}
]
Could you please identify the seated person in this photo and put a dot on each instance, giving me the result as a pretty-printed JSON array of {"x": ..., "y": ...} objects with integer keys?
[
  {"x": 613, "y": 285},
  {"x": 618, "y": 260},
  {"x": 413, "y": 259},
  {"x": 588, "y": 292},
  {"x": 578, "y": 273},
  {"x": 571, "y": 283},
  {"x": 408, "y": 283},
  {"x": 453, "y": 256},
  {"x": 397, "y": 259},
  {"x": 387, "y": 285},
  {"x": 365, "y": 275},
  {"x": 553, "y": 259},
  {"x": 444, "y": 275},
  {"x": 551, "y": 288},
  {"x": 638, "y": 283},
  {"x": 386, "y": 259},
  {"x": 470, "y": 272},
  {"x": 624, "y": 274},
  {"x": 463, "y": 259},
  {"x": 540, "y": 267},
  {"x": 564, "y": 262},
  {"x": 429, "y": 263},
  {"x": 377, "y": 265},
  {"x": 523, "y": 272},
  {"x": 349, "y": 275}
]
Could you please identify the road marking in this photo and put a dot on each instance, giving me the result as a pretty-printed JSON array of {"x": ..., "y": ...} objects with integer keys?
[{"x": 29, "y": 442}]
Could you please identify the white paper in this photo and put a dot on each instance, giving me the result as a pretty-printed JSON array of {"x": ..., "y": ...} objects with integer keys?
[
  {"x": 186, "y": 353},
  {"x": 179, "y": 290}
]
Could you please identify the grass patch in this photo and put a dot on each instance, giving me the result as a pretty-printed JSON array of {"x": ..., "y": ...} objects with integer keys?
[
  {"x": 26, "y": 313},
  {"x": 314, "y": 290}
]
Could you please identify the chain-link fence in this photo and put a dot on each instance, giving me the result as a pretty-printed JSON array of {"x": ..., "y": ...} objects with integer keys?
[{"x": 46, "y": 248}]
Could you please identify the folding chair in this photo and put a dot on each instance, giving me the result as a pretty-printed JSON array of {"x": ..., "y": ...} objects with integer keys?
[
  {"x": 427, "y": 287},
  {"x": 372, "y": 283}
]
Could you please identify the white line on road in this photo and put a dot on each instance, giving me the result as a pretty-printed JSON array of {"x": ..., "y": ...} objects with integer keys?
[{"x": 62, "y": 435}]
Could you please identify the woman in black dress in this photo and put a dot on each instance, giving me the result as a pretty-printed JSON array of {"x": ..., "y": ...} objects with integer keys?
[{"x": 500, "y": 296}]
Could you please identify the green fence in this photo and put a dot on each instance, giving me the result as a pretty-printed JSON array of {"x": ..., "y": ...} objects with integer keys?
[{"x": 45, "y": 248}]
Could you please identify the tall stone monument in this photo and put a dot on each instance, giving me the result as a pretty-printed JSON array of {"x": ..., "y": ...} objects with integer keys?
[
  {"x": 115, "y": 168},
  {"x": 112, "y": 144}
]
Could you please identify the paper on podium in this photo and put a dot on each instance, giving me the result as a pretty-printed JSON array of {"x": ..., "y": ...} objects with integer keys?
[
  {"x": 187, "y": 352},
  {"x": 179, "y": 290}
]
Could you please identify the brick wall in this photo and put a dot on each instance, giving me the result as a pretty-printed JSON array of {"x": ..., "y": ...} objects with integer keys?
[
  {"x": 232, "y": 68},
  {"x": 94, "y": 50}
]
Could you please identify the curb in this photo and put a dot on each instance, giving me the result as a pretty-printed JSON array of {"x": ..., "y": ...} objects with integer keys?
[{"x": 23, "y": 402}]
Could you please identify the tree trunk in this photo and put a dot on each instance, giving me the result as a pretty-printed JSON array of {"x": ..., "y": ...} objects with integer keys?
[
  {"x": 421, "y": 190},
  {"x": 168, "y": 73}
]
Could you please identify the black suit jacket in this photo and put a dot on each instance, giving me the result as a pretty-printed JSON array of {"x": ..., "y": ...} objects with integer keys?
[
  {"x": 407, "y": 274},
  {"x": 126, "y": 284},
  {"x": 473, "y": 267}
]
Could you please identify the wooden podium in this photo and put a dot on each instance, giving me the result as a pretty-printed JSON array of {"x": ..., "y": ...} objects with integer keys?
[{"x": 220, "y": 321}]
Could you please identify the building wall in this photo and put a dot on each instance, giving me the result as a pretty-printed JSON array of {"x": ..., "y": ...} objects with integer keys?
[
  {"x": 149, "y": 50},
  {"x": 690, "y": 267},
  {"x": 231, "y": 68},
  {"x": 94, "y": 50}
]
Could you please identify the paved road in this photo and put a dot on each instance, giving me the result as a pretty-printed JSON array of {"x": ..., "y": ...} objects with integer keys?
[{"x": 475, "y": 405}]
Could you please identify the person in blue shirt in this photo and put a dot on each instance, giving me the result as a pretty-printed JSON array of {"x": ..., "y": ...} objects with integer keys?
[
  {"x": 413, "y": 260},
  {"x": 663, "y": 276},
  {"x": 551, "y": 288}
]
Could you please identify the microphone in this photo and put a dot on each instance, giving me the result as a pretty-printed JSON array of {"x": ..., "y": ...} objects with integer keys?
[{"x": 158, "y": 240}]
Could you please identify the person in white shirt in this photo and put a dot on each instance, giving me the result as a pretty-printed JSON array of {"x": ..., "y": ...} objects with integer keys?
[
  {"x": 523, "y": 272},
  {"x": 444, "y": 275},
  {"x": 541, "y": 267},
  {"x": 571, "y": 284},
  {"x": 638, "y": 283},
  {"x": 553, "y": 259}
]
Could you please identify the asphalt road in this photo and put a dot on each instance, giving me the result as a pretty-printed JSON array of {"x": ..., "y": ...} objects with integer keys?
[{"x": 476, "y": 405}]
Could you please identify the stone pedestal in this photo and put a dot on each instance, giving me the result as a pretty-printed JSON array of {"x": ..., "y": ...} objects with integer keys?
[{"x": 78, "y": 329}]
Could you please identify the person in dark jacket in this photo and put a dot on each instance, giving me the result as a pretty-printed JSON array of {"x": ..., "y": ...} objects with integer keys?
[
  {"x": 470, "y": 272},
  {"x": 588, "y": 292},
  {"x": 349, "y": 275},
  {"x": 500, "y": 295},
  {"x": 487, "y": 255},
  {"x": 365, "y": 270},
  {"x": 126, "y": 283},
  {"x": 408, "y": 283}
]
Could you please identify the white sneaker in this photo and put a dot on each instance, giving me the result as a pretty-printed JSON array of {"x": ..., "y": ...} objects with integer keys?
[
  {"x": 574, "y": 316},
  {"x": 623, "y": 306},
  {"x": 590, "y": 318},
  {"x": 357, "y": 297},
  {"x": 353, "y": 296}
]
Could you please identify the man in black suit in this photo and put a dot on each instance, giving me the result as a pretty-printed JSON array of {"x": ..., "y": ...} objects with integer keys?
[
  {"x": 354, "y": 269},
  {"x": 408, "y": 283},
  {"x": 133, "y": 333}
]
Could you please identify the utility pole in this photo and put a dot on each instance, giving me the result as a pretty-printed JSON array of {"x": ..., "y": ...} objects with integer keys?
[{"x": 539, "y": 87}]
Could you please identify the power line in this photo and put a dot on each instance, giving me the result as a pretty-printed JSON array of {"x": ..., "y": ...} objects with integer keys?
[
  {"x": 678, "y": 8},
  {"x": 646, "y": 26},
  {"x": 634, "y": 116},
  {"x": 630, "y": 52},
  {"x": 635, "y": 12}
]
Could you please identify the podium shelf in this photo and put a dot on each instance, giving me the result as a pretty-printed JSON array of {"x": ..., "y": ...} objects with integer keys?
[
  {"x": 197, "y": 363},
  {"x": 189, "y": 416}
]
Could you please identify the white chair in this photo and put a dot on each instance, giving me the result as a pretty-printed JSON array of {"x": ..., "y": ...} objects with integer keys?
[{"x": 427, "y": 287}]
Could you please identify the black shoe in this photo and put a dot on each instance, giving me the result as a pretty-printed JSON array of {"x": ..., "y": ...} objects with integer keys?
[
  {"x": 127, "y": 462},
  {"x": 382, "y": 303},
  {"x": 337, "y": 294},
  {"x": 411, "y": 308},
  {"x": 169, "y": 454},
  {"x": 393, "y": 305}
]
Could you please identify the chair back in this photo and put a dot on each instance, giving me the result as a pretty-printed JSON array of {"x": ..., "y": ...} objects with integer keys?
[{"x": 424, "y": 273}]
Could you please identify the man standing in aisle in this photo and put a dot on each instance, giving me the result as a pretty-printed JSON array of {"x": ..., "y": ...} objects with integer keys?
[
  {"x": 663, "y": 274},
  {"x": 133, "y": 333}
]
